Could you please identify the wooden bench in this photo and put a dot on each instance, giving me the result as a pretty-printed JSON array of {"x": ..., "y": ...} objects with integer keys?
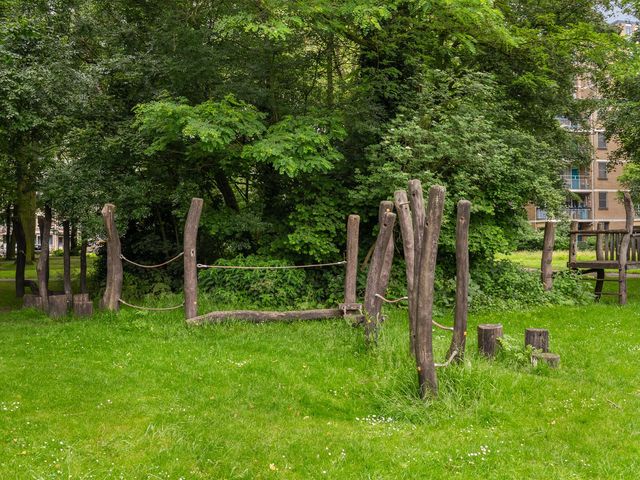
[{"x": 615, "y": 250}]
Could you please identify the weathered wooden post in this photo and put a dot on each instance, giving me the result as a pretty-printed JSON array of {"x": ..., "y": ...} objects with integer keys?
[
  {"x": 623, "y": 254},
  {"x": 42, "y": 266},
  {"x": 573, "y": 242},
  {"x": 406, "y": 229},
  {"x": 488, "y": 335},
  {"x": 351, "y": 271},
  {"x": 459, "y": 338},
  {"x": 373, "y": 275},
  {"x": 83, "y": 266},
  {"x": 546, "y": 267},
  {"x": 599, "y": 242},
  {"x": 113, "y": 290},
  {"x": 538, "y": 338},
  {"x": 190, "y": 265},
  {"x": 385, "y": 270},
  {"x": 66, "y": 245},
  {"x": 416, "y": 202},
  {"x": 427, "y": 377}
]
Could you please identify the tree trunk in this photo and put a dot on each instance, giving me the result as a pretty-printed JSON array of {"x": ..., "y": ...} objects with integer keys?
[
  {"x": 113, "y": 290},
  {"x": 190, "y": 264},
  {"x": 425, "y": 289},
  {"x": 416, "y": 202},
  {"x": 10, "y": 241},
  {"x": 83, "y": 267},
  {"x": 351, "y": 272},
  {"x": 222, "y": 182},
  {"x": 74, "y": 239},
  {"x": 547, "y": 254},
  {"x": 66, "y": 232},
  {"x": 43, "y": 262},
  {"x": 26, "y": 215},
  {"x": 21, "y": 259}
]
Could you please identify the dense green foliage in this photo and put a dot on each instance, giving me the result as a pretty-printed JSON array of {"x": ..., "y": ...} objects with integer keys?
[{"x": 287, "y": 116}]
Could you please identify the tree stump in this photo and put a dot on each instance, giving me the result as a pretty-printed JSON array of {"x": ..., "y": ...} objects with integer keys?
[
  {"x": 488, "y": 335},
  {"x": 32, "y": 301},
  {"x": 538, "y": 338},
  {"x": 58, "y": 305},
  {"x": 82, "y": 305},
  {"x": 551, "y": 359}
]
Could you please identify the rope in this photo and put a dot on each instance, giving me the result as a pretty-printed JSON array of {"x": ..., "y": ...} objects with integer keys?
[
  {"x": 451, "y": 357},
  {"x": 443, "y": 327},
  {"x": 391, "y": 301},
  {"x": 151, "y": 266},
  {"x": 279, "y": 267},
  {"x": 156, "y": 309}
]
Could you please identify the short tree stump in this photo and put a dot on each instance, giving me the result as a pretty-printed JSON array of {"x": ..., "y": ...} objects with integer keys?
[
  {"x": 551, "y": 359},
  {"x": 538, "y": 338},
  {"x": 82, "y": 305},
  {"x": 58, "y": 306},
  {"x": 488, "y": 335}
]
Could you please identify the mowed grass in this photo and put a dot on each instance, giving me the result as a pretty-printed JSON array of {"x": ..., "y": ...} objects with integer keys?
[
  {"x": 532, "y": 258},
  {"x": 138, "y": 395}
]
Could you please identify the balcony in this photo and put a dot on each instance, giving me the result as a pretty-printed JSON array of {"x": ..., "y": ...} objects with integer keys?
[
  {"x": 579, "y": 213},
  {"x": 577, "y": 182}
]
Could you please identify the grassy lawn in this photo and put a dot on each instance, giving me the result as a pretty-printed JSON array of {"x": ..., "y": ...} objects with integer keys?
[
  {"x": 531, "y": 259},
  {"x": 139, "y": 395}
]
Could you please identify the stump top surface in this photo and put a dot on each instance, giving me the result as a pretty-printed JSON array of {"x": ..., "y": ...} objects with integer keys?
[
  {"x": 490, "y": 325},
  {"x": 536, "y": 330}
]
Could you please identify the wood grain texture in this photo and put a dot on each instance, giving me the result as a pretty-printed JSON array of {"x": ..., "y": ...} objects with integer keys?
[
  {"x": 113, "y": 289},
  {"x": 459, "y": 337},
  {"x": 190, "y": 263},
  {"x": 351, "y": 273}
]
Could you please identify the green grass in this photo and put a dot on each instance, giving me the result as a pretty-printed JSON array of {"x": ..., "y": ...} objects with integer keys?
[
  {"x": 532, "y": 259},
  {"x": 138, "y": 395}
]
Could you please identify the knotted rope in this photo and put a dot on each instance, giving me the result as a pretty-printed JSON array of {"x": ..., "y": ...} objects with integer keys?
[
  {"x": 278, "y": 267},
  {"x": 155, "y": 309},
  {"x": 151, "y": 266}
]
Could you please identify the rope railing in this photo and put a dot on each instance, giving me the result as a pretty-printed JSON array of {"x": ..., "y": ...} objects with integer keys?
[
  {"x": 449, "y": 360},
  {"x": 152, "y": 266},
  {"x": 275, "y": 267},
  {"x": 386, "y": 300},
  {"x": 443, "y": 327},
  {"x": 154, "y": 309}
]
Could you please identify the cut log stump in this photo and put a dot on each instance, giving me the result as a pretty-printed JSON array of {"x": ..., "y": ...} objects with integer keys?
[
  {"x": 488, "y": 335},
  {"x": 58, "y": 306},
  {"x": 538, "y": 338},
  {"x": 82, "y": 305},
  {"x": 32, "y": 301},
  {"x": 551, "y": 359}
]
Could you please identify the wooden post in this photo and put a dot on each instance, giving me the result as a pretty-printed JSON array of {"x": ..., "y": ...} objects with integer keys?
[
  {"x": 82, "y": 305},
  {"x": 190, "y": 265},
  {"x": 58, "y": 306},
  {"x": 385, "y": 271},
  {"x": 547, "y": 254},
  {"x": 43, "y": 260},
  {"x": 113, "y": 289},
  {"x": 416, "y": 202},
  {"x": 459, "y": 338},
  {"x": 538, "y": 338},
  {"x": 599, "y": 242},
  {"x": 66, "y": 245},
  {"x": 623, "y": 254},
  {"x": 406, "y": 229},
  {"x": 488, "y": 335},
  {"x": 351, "y": 272},
  {"x": 573, "y": 242},
  {"x": 373, "y": 275},
  {"x": 83, "y": 266},
  {"x": 427, "y": 377}
]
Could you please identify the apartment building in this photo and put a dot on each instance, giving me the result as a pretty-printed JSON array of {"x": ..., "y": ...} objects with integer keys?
[{"x": 594, "y": 189}]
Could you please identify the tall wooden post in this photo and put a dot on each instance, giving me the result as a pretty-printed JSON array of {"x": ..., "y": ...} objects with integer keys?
[
  {"x": 66, "y": 245},
  {"x": 351, "y": 273},
  {"x": 459, "y": 338},
  {"x": 599, "y": 242},
  {"x": 42, "y": 266},
  {"x": 190, "y": 265},
  {"x": 113, "y": 289},
  {"x": 546, "y": 267},
  {"x": 573, "y": 242},
  {"x": 385, "y": 270},
  {"x": 373, "y": 275},
  {"x": 623, "y": 254},
  {"x": 416, "y": 201},
  {"x": 406, "y": 228},
  {"x": 426, "y": 279}
]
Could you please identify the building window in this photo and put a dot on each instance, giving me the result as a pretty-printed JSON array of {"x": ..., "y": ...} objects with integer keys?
[
  {"x": 602, "y": 200},
  {"x": 602, "y": 141},
  {"x": 602, "y": 170}
]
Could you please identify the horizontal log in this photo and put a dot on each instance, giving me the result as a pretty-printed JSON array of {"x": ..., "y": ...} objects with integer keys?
[
  {"x": 255, "y": 316},
  {"x": 591, "y": 233}
]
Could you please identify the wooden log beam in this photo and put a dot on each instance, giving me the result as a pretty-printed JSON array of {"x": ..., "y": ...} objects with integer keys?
[
  {"x": 113, "y": 289},
  {"x": 351, "y": 273},
  {"x": 66, "y": 261},
  {"x": 403, "y": 210},
  {"x": 42, "y": 266},
  {"x": 416, "y": 203},
  {"x": 546, "y": 267},
  {"x": 255, "y": 316},
  {"x": 459, "y": 338},
  {"x": 427, "y": 377},
  {"x": 190, "y": 265},
  {"x": 488, "y": 335},
  {"x": 373, "y": 275},
  {"x": 538, "y": 338}
]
